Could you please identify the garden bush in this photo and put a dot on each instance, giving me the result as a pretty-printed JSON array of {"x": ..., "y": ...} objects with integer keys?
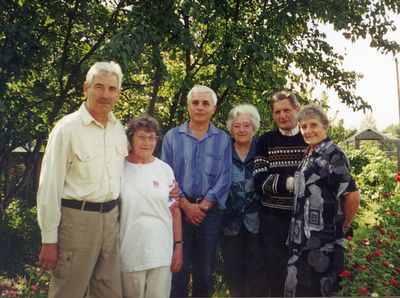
[
  {"x": 19, "y": 238},
  {"x": 372, "y": 256},
  {"x": 20, "y": 244},
  {"x": 373, "y": 172},
  {"x": 373, "y": 263}
]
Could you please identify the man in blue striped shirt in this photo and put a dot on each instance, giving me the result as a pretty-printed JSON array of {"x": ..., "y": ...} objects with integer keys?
[{"x": 200, "y": 155}]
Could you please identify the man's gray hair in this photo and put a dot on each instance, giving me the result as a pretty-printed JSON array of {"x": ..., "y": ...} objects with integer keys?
[
  {"x": 282, "y": 95},
  {"x": 202, "y": 89},
  {"x": 246, "y": 110},
  {"x": 109, "y": 68},
  {"x": 314, "y": 111}
]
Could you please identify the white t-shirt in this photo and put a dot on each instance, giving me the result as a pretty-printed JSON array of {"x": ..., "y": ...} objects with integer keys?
[{"x": 146, "y": 234}]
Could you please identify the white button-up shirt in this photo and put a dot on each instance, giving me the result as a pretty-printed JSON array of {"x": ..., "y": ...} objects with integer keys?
[{"x": 83, "y": 161}]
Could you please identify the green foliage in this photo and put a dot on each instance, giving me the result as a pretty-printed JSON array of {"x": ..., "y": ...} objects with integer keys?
[
  {"x": 368, "y": 121},
  {"x": 244, "y": 50},
  {"x": 373, "y": 171},
  {"x": 338, "y": 133},
  {"x": 373, "y": 262},
  {"x": 46, "y": 46},
  {"x": 20, "y": 244},
  {"x": 220, "y": 288},
  {"x": 373, "y": 256},
  {"x": 393, "y": 130},
  {"x": 19, "y": 238},
  {"x": 33, "y": 284}
]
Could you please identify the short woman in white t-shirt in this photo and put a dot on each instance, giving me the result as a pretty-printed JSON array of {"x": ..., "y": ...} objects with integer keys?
[{"x": 151, "y": 231}]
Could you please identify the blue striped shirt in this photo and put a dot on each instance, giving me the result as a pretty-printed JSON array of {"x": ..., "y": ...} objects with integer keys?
[{"x": 202, "y": 167}]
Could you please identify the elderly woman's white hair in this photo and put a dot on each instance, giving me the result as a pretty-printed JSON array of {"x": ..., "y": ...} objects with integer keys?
[
  {"x": 202, "y": 89},
  {"x": 314, "y": 111},
  {"x": 109, "y": 68},
  {"x": 247, "y": 110}
]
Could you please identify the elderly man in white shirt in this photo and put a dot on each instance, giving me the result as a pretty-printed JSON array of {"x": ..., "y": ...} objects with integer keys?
[{"x": 78, "y": 191}]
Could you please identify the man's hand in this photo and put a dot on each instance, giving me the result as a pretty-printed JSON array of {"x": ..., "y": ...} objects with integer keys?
[
  {"x": 48, "y": 256},
  {"x": 194, "y": 212},
  {"x": 206, "y": 205}
]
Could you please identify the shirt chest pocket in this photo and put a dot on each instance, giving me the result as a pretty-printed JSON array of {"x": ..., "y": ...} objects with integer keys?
[
  {"x": 213, "y": 164},
  {"x": 88, "y": 165}
]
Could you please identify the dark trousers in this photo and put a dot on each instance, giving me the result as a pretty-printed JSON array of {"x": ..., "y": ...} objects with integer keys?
[
  {"x": 200, "y": 244},
  {"x": 274, "y": 227},
  {"x": 243, "y": 270}
]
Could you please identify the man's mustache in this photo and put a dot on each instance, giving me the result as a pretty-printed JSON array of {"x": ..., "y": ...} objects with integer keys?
[{"x": 104, "y": 101}]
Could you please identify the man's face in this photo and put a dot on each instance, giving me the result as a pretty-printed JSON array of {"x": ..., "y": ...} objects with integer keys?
[
  {"x": 284, "y": 114},
  {"x": 201, "y": 108},
  {"x": 102, "y": 94}
]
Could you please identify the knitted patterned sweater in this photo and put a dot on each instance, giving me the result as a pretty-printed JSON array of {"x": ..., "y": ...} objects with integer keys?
[{"x": 277, "y": 158}]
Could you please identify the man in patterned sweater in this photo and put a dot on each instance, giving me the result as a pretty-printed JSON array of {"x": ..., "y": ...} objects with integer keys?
[{"x": 277, "y": 156}]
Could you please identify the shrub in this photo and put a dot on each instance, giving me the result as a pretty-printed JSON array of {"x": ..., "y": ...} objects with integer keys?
[
  {"x": 19, "y": 238},
  {"x": 372, "y": 257},
  {"x": 374, "y": 173},
  {"x": 373, "y": 263},
  {"x": 34, "y": 283}
]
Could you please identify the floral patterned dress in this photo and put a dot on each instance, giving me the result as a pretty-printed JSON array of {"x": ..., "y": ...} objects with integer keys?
[{"x": 316, "y": 238}]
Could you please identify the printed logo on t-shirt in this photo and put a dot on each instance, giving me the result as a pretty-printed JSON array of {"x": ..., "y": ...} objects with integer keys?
[{"x": 156, "y": 184}]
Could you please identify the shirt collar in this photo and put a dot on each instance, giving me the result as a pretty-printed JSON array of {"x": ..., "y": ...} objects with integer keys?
[
  {"x": 87, "y": 118},
  {"x": 294, "y": 131},
  {"x": 250, "y": 155},
  {"x": 184, "y": 128},
  {"x": 321, "y": 147}
]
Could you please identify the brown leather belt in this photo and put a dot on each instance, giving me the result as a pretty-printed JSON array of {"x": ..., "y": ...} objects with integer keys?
[{"x": 90, "y": 206}]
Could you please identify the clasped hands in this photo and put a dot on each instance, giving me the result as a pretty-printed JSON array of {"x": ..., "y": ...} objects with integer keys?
[{"x": 195, "y": 213}]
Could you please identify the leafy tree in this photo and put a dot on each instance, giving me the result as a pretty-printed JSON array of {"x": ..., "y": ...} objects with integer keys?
[
  {"x": 393, "y": 130},
  {"x": 45, "y": 46},
  {"x": 338, "y": 133},
  {"x": 368, "y": 121},
  {"x": 244, "y": 50}
]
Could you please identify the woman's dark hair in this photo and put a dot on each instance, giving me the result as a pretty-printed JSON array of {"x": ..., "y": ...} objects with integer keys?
[{"x": 145, "y": 122}]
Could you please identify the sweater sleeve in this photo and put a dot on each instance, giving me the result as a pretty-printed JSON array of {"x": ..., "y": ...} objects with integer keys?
[{"x": 266, "y": 181}]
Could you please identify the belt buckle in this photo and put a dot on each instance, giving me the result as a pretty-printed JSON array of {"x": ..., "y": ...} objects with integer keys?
[
  {"x": 198, "y": 200},
  {"x": 101, "y": 207}
]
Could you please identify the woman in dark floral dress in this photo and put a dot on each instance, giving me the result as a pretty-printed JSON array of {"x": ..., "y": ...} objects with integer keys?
[{"x": 326, "y": 200}]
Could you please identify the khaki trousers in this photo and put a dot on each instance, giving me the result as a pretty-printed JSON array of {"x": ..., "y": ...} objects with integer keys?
[
  {"x": 88, "y": 262},
  {"x": 151, "y": 283}
]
